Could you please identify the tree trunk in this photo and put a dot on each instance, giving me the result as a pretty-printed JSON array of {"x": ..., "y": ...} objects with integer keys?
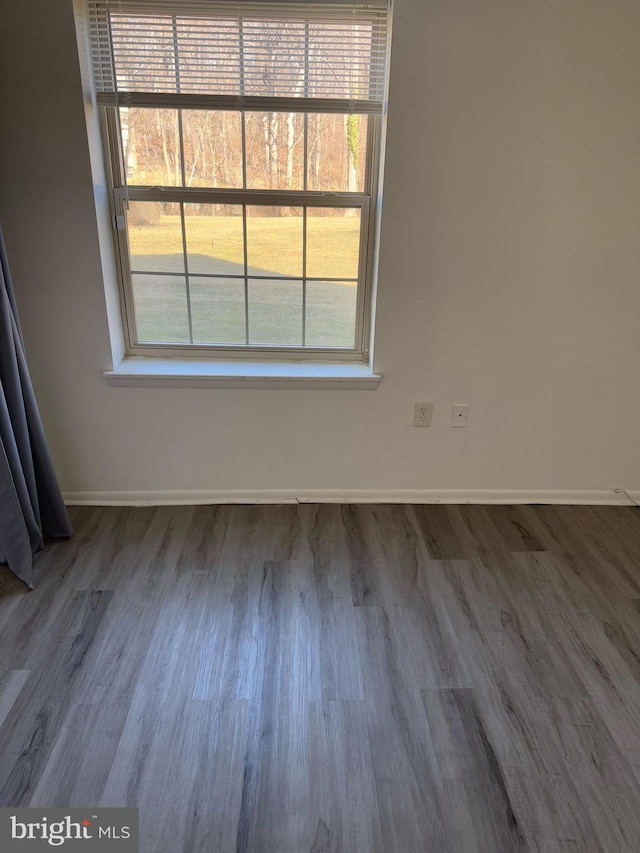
[
  {"x": 165, "y": 151},
  {"x": 290, "y": 147},
  {"x": 224, "y": 159},
  {"x": 351, "y": 129},
  {"x": 176, "y": 149},
  {"x": 129, "y": 153},
  {"x": 351, "y": 132},
  {"x": 195, "y": 163},
  {"x": 270, "y": 125}
]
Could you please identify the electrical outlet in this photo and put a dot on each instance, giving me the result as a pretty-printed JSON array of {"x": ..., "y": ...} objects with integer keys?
[
  {"x": 459, "y": 414},
  {"x": 422, "y": 414}
]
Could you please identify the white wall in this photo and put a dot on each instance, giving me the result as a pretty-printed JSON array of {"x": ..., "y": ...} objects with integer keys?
[{"x": 508, "y": 275}]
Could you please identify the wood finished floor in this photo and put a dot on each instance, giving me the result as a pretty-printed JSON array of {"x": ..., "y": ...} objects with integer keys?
[{"x": 366, "y": 679}]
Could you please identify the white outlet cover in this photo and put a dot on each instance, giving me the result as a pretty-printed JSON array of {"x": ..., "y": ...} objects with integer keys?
[{"x": 459, "y": 414}]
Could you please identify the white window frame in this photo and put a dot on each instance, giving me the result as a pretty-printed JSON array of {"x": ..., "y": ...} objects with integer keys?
[{"x": 367, "y": 202}]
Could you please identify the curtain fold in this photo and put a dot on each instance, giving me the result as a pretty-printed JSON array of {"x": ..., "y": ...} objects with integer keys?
[{"x": 31, "y": 505}]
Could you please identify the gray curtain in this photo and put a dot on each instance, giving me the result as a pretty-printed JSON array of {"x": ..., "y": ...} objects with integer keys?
[{"x": 31, "y": 506}]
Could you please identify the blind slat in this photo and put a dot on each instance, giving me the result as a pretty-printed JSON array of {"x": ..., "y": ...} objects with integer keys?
[
  {"x": 255, "y": 50},
  {"x": 236, "y": 102}
]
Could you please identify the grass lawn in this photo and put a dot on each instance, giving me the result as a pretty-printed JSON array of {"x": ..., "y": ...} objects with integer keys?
[{"x": 274, "y": 248}]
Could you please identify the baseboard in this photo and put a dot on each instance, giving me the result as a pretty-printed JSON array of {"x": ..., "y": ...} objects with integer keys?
[{"x": 613, "y": 497}]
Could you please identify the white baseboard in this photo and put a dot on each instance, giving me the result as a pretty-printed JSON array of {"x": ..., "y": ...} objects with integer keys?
[{"x": 613, "y": 497}]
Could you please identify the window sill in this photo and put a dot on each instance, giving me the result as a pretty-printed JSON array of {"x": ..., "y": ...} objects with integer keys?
[{"x": 191, "y": 373}]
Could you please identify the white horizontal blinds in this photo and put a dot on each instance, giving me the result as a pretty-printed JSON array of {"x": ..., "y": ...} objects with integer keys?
[{"x": 226, "y": 54}]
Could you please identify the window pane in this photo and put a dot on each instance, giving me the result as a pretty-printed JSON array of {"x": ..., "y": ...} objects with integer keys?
[
  {"x": 143, "y": 46},
  {"x": 161, "y": 308},
  {"x": 215, "y": 242},
  {"x": 333, "y": 242},
  {"x": 275, "y": 151},
  {"x": 155, "y": 236},
  {"x": 336, "y": 152},
  {"x": 151, "y": 146},
  {"x": 217, "y": 310},
  {"x": 274, "y": 240},
  {"x": 207, "y": 46},
  {"x": 212, "y": 148},
  {"x": 340, "y": 58},
  {"x": 275, "y": 312},
  {"x": 330, "y": 314},
  {"x": 274, "y": 56}
]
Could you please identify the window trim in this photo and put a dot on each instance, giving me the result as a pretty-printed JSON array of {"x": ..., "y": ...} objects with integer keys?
[
  {"x": 242, "y": 373},
  {"x": 109, "y": 101}
]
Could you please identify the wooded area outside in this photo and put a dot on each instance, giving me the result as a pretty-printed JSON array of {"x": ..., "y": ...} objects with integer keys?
[{"x": 211, "y": 141}]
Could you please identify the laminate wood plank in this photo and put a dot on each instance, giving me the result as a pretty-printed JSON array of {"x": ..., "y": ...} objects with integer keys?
[
  {"x": 232, "y": 618},
  {"x": 572, "y": 643},
  {"x": 624, "y": 729},
  {"x": 143, "y": 572},
  {"x": 11, "y": 683},
  {"x": 137, "y": 547},
  {"x": 622, "y": 629},
  {"x": 259, "y": 534},
  {"x": 522, "y": 640},
  {"x": 617, "y": 534},
  {"x": 29, "y": 731},
  {"x": 462, "y": 532},
  {"x": 606, "y": 781},
  {"x": 175, "y": 749},
  {"x": 421, "y": 625},
  {"x": 26, "y": 616},
  {"x": 535, "y": 618},
  {"x": 100, "y": 537},
  {"x": 540, "y": 580},
  {"x": 439, "y": 534},
  {"x": 248, "y": 537},
  {"x": 381, "y": 548},
  {"x": 185, "y": 774},
  {"x": 59, "y": 556},
  {"x": 12, "y": 593},
  {"x": 275, "y": 812},
  {"x": 611, "y": 686},
  {"x": 599, "y": 663},
  {"x": 83, "y": 750},
  {"x": 625, "y": 638},
  {"x": 540, "y": 797},
  {"x": 409, "y": 789},
  {"x": 323, "y": 533},
  {"x": 204, "y": 540},
  {"x": 428, "y": 658},
  {"x": 476, "y": 801},
  {"x": 223, "y": 659},
  {"x": 492, "y": 529},
  {"x": 571, "y": 597},
  {"x": 513, "y": 529},
  {"x": 343, "y": 787},
  {"x": 596, "y": 559},
  {"x": 9, "y": 583},
  {"x": 611, "y": 554},
  {"x": 542, "y": 792}
]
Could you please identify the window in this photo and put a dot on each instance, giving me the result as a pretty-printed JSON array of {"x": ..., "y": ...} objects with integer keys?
[{"x": 243, "y": 147}]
